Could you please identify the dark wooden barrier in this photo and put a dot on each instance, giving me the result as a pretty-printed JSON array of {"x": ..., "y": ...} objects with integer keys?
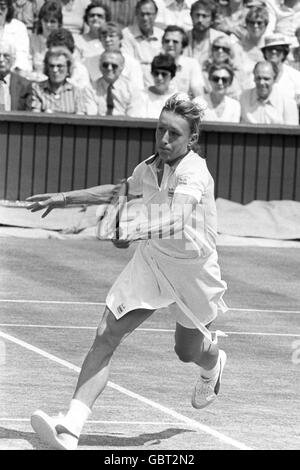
[{"x": 46, "y": 153}]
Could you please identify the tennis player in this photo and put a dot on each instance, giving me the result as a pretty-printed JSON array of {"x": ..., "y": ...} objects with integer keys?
[{"x": 175, "y": 264}]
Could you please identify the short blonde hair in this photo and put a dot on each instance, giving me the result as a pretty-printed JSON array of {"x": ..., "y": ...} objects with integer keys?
[{"x": 190, "y": 110}]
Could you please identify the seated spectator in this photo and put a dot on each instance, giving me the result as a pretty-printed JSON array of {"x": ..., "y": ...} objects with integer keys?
[
  {"x": 15, "y": 32},
  {"x": 163, "y": 69},
  {"x": 286, "y": 15},
  {"x": 230, "y": 18},
  {"x": 95, "y": 16},
  {"x": 73, "y": 13},
  {"x": 276, "y": 50},
  {"x": 188, "y": 76},
  {"x": 49, "y": 19},
  {"x": 26, "y": 11},
  {"x": 62, "y": 37},
  {"x": 15, "y": 90},
  {"x": 293, "y": 59},
  {"x": 115, "y": 95},
  {"x": 222, "y": 52},
  {"x": 111, "y": 36},
  {"x": 266, "y": 103},
  {"x": 201, "y": 36},
  {"x": 142, "y": 40},
  {"x": 57, "y": 94},
  {"x": 174, "y": 12},
  {"x": 248, "y": 49},
  {"x": 122, "y": 11},
  {"x": 221, "y": 107}
]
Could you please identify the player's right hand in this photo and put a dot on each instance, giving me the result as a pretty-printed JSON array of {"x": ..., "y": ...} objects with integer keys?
[{"x": 47, "y": 201}]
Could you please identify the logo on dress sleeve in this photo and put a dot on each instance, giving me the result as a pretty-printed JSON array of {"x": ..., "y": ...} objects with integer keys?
[
  {"x": 121, "y": 308},
  {"x": 183, "y": 180}
]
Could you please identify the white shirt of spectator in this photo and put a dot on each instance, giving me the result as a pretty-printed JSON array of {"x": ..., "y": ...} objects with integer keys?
[
  {"x": 132, "y": 70},
  {"x": 142, "y": 48},
  {"x": 188, "y": 78},
  {"x": 15, "y": 32},
  {"x": 6, "y": 93},
  {"x": 152, "y": 103},
  {"x": 169, "y": 12},
  {"x": 231, "y": 110},
  {"x": 276, "y": 109},
  {"x": 126, "y": 98}
]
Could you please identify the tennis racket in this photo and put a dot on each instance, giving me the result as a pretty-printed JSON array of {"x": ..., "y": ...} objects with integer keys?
[{"x": 108, "y": 225}]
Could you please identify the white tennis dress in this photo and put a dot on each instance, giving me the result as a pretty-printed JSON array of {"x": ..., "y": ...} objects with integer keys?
[{"x": 183, "y": 271}]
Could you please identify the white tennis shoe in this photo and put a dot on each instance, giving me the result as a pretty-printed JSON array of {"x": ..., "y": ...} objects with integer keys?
[
  {"x": 51, "y": 431},
  {"x": 206, "y": 390}
]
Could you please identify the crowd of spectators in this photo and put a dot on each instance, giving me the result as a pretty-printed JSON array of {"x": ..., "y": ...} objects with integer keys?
[{"x": 126, "y": 57}]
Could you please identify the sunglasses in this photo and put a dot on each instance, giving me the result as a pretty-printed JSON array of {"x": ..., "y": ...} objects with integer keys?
[
  {"x": 222, "y": 48},
  {"x": 95, "y": 15},
  {"x": 106, "y": 65},
  {"x": 274, "y": 48},
  {"x": 216, "y": 79},
  {"x": 157, "y": 73},
  {"x": 253, "y": 23}
]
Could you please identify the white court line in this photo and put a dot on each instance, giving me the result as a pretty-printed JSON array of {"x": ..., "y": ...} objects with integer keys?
[
  {"x": 142, "y": 423},
  {"x": 191, "y": 422},
  {"x": 69, "y": 302},
  {"x": 152, "y": 330}
]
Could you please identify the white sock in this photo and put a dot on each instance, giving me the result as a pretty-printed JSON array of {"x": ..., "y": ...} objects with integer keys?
[
  {"x": 211, "y": 373},
  {"x": 76, "y": 417}
]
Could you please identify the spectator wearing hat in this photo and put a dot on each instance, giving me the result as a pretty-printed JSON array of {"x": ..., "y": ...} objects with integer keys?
[
  {"x": 203, "y": 14},
  {"x": 15, "y": 90},
  {"x": 189, "y": 77},
  {"x": 221, "y": 107},
  {"x": 110, "y": 38},
  {"x": 174, "y": 12},
  {"x": 266, "y": 103},
  {"x": 276, "y": 50},
  {"x": 115, "y": 94},
  {"x": 163, "y": 70},
  {"x": 142, "y": 40}
]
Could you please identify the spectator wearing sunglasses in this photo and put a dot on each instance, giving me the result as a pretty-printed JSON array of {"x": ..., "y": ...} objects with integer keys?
[
  {"x": 222, "y": 53},
  {"x": 95, "y": 17},
  {"x": 248, "y": 49},
  {"x": 115, "y": 94},
  {"x": 163, "y": 70},
  {"x": 266, "y": 103},
  {"x": 276, "y": 50},
  {"x": 110, "y": 37},
  {"x": 188, "y": 78},
  {"x": 221, "y": 107}
]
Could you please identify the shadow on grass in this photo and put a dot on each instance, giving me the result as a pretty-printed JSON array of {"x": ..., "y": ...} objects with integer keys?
[{"x": 98, "y": 440}]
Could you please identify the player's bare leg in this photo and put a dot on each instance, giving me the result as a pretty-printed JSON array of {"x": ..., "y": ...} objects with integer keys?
[
  {"x": 63, "y": 432},
  {"x": 192, "y": 346}
]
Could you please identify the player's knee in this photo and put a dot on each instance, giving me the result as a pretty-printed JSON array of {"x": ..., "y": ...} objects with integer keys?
[
  {"x": 105, "y": 340},
  {"x": 184, "y": 353}
]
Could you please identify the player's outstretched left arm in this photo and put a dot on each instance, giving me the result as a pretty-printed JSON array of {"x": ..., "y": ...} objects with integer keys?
[{"x": 49, "y": 201}]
